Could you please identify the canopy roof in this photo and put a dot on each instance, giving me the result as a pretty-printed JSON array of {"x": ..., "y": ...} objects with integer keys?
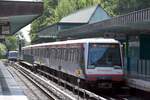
[
  {"x": 134, "y": 23},
  {"x": 84, "y": 15},
  {"x": 15, "y": 14}
]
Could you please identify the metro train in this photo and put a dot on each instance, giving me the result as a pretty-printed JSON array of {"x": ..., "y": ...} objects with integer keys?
[
  {"x": 95, "y": 61},
  {"x": 13, "y": 55}
]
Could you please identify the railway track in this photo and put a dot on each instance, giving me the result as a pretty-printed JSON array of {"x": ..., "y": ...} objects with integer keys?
[
  {"x": 55, "y": 91},
  {"x": 35, "y": 90}
]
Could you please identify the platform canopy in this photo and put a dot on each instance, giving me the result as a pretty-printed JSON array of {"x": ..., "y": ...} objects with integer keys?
[
  {"x": 15, "y": 14},
  {"x": 137, "y": 22}
]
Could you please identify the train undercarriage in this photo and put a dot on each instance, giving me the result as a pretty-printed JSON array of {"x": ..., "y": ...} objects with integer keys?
[{"x": 87, "y": 84}]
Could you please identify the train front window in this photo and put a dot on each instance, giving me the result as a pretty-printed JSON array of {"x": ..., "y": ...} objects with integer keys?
[{"x": 104, "y": 55}]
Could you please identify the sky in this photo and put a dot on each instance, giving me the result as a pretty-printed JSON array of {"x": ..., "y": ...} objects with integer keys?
[{"x": 25, "y": 32}]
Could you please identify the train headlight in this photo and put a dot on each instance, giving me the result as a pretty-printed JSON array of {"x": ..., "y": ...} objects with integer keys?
[
  {"x": 117, "y": 67},
  {"x": 91, "y": 67}
]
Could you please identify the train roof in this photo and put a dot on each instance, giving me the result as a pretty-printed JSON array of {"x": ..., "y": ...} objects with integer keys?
[
  {"x": 88, "y": 40},
  {"x": 13, "y": 51}
]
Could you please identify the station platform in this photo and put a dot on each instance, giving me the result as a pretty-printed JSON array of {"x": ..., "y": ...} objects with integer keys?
[{"x": 9, "y": 89}]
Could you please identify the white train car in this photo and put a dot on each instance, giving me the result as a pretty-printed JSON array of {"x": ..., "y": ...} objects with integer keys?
[{"x": 96, "y": 61}]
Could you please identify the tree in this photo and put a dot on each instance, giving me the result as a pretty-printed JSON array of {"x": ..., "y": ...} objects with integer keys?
[
  {"x": 45, "y": 19},
  {"x": 126, "y": 6},
  {"x": 66, "y": 7},
  {"x": 2, "y": 50},
  {"x": 11, "y": 43}
]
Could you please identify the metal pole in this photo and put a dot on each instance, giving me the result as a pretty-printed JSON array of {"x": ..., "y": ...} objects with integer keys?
[
  {"x": 59, "y": 68},
  {"x": 19, "y": 44},
  {"x": 78, "y": 81}
]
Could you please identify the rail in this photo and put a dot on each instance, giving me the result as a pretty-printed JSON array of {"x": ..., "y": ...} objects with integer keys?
[
  {"x": 84, "y": 91},
  {"x": 86, "y": 94},
  {"x": 56, "y": 91}
]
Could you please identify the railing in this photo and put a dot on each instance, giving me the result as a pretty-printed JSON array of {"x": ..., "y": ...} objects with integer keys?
[{"x": 133, "y": 17}]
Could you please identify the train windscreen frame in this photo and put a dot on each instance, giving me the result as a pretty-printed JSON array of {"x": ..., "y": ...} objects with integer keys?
[{"x": 104, "y": 55}]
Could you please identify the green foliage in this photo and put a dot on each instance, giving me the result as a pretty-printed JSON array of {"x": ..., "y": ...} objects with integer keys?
[
  {"x": 126, "y": 6},
  {"x": 2, "y": 50},
  {"x": 45, "y": 19},
  {"x": 11, "y": 43},
  {"x": 66, "y": 7}
]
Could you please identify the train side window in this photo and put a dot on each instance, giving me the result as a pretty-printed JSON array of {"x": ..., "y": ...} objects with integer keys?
[
  {"x": 34, "y": 52},
  {"x": 46, "y": 49},
  {"x": 49, "y": 53},
  {"x": 37, "y": 51},
  {"x": 75, "y": 55},
  {"x": 51, "y": 56},
  {"x": 54, "y": 55},
  {"x": 79, "y": 55},
  {"x": 45, "y": 52},
  {"x": 69, "y": 54},
  {"x": 72, "y": 53},
  {"x": 57, "y": 56},
  {"x": 62, "y": 53},
  {"x": 65, "y": 54},
  {"x": 59, "y": 53},
  {"x": 40, "y": 52}
]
